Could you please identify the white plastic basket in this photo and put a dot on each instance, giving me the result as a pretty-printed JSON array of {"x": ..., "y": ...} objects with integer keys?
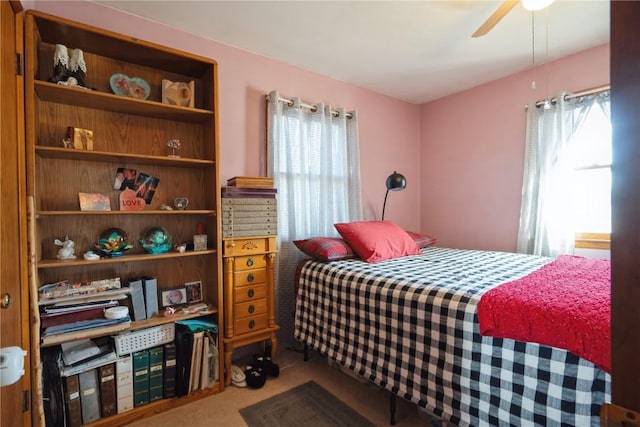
[{"x": 144, "y": 338}]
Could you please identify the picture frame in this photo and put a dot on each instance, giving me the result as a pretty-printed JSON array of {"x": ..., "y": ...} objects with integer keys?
[
  {"x": 194, "y": 291},
  {"x": 173, "y": 296}
]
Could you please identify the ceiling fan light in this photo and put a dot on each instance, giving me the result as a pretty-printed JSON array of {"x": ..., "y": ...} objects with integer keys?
[{"x": 536, "y": 4}]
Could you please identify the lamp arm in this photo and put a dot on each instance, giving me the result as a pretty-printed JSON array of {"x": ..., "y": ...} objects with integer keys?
[{"x": 384, "y": 205}]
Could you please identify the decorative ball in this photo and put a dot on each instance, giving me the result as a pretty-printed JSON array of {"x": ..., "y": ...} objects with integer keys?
[
  {"x": 156, "y": 240},
  {"x": 112, "y": 242}
]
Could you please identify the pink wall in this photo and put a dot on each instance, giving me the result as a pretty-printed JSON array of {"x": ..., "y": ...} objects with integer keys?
[
  {"x": 473, "y": 152},
  {"x": 389, "y": 128}
]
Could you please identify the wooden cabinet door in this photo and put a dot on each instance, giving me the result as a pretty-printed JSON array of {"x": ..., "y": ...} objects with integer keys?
[{"x": 14, "y": 315}]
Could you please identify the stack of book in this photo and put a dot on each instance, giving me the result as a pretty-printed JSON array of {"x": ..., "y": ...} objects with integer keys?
[
  {"x": 66, "y": 314},
  {"x": 249, "y": 210}
]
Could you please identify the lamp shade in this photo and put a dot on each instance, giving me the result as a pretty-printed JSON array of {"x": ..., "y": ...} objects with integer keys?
[{"x": 395, "y": 182}]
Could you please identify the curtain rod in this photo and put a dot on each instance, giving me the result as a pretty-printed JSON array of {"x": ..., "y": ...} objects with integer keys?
[
  {"x": 313, "y": 108},
  {"x": 585, "y": 92}
]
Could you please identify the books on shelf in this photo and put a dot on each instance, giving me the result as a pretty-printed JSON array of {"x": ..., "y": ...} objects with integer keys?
[
  {"x": 85, "y": 333},
  {"x": 65, "y": 288}
]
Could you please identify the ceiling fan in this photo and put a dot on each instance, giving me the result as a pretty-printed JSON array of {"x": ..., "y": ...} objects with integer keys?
[{"x": 505, "y": 8}]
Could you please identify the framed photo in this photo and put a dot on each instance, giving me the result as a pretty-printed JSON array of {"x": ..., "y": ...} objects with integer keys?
[
  {"x": 173, "y": 296},
  {"x": 194, "y": 291}
]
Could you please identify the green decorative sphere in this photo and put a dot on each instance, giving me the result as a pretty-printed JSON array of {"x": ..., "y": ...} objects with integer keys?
[{"x": 156, "y": 240}]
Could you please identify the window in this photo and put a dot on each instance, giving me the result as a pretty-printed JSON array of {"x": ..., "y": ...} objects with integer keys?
[{"x": 591, "y": 155}]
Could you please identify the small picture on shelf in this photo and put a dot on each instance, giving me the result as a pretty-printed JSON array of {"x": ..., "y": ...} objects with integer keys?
[
  {"x": 125, "y": 178},
  {"x": 145, "y": 186},
  {"x": 172, "y": 297},
  {"x": 94, "y": 202},
  {"x": 194, "y": 291}
]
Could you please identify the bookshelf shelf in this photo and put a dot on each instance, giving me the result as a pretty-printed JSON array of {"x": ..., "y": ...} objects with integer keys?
[{"x": 128, "y": 133}]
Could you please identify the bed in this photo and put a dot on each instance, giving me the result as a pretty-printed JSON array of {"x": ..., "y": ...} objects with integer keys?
[{"x": 410, "y": 325}]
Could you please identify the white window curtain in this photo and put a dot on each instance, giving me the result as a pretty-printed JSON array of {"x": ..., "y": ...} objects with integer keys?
[
  {"x": 546, "y": 214},
  {"x": 313, "y": 157}
]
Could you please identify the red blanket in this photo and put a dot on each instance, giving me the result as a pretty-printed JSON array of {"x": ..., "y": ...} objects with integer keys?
[{"x": 564, "y": 304}]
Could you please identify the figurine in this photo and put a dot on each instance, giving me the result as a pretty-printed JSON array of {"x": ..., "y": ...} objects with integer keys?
[{"x": 67, "y": 251}]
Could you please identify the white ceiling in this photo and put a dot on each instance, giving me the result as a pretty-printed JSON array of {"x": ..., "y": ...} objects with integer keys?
[{"x": 415, "y": 51}]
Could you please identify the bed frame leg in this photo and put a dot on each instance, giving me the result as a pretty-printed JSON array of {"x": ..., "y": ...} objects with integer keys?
[
  {"x": 392, "y": 408},
  {"x": 306, "y": 352}
]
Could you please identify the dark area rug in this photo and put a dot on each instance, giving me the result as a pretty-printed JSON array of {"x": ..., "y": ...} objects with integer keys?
[{"x": 307, "y": 405}]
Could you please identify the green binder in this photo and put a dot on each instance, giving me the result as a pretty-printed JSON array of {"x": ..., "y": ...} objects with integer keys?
[
  {"x": 156, "y": 358},
  {"x": 140, "y": 377}
]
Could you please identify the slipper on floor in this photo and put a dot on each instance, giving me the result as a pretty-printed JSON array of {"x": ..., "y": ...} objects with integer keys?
[
  {"x": 238, "y": 378},
  {"x": 255, "y": 376},
  {"x": 264, "y": 362}
]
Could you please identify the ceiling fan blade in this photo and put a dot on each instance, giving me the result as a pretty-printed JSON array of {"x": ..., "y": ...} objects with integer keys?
[{"x": 491, "y": 22}]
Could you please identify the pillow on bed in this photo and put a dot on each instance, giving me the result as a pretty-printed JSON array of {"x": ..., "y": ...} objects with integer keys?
[
  {"x": 325, "y": 248},
  {"x": 377, "y": 240},
  {"x": 422, "y": 240}
]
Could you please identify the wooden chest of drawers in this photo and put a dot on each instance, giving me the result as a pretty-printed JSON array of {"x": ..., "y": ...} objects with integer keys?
[{"x": 248, "y": 294}]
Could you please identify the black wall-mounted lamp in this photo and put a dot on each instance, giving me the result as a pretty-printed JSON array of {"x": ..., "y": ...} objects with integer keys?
[{"x": 395, "y": 182}]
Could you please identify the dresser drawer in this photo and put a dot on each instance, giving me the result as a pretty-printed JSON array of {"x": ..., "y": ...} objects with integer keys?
[
  {"x": 250, "y": 324},
  {"x": 250, "y": 308},
  {"x": 249, "y": 277},
  {"x": 249, "y": 246},
  {"x": 248, "y": 293},
  {"x": 252, "y": 261}
]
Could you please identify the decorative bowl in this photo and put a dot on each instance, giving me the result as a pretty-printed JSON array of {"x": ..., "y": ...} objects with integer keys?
[
  {"x": 156, "y": 240},
  {"x": 112, "y": 243}
]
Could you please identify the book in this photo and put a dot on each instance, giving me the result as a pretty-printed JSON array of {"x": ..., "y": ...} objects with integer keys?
[
  {"x": 250, "y": 181},
  {"x": 61, "y": 318},
  {"x": 196, "y": 361},
  {"x": 156, "y": 383},
  {"x": 124, "y": 384},
  {"x": 86, "y": 333},
  {"x": 169, "y": 370},
  {"x": 89, "y": 396},
  {"x": 150, "y": 290},
  {"x": 107, "y": 379},
  {"x": 72, "y": 401},
  {"x": 140, "y": 377},
  {"x": 138, "y": 307},
  {"x": 82, "y": 325},
  {"x": 184, "y": 349},
  {"x": 77, "y": 351},
  {"x": 93, "y": 363}
]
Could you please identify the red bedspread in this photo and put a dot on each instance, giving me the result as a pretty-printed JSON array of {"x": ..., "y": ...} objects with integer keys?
[{"x": 564, "y": 304}]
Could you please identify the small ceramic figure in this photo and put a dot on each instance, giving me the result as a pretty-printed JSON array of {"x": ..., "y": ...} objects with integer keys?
[{"x": 68, "y": 248}]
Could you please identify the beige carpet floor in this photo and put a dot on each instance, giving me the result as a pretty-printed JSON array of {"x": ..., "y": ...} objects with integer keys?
[{"x": 222, "y": 409}]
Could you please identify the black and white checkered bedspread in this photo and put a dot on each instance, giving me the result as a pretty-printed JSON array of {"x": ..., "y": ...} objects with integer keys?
[{"x": 410, "y": 325}]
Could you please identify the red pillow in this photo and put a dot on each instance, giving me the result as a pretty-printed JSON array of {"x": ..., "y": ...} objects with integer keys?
[
  {"x": 325, "y": 248},
  {"x": 422, "y": 240},
  {"x": 377, "y": 240}
]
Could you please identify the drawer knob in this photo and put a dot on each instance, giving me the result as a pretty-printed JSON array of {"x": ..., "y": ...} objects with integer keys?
[
  {"x": 250, "y": 277},
  {"x": 252, "y": 324},
  {"x": 251, "y": 293},
  {"x": 251, "y": 308},
  {"x": 250, "y": 262}
]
